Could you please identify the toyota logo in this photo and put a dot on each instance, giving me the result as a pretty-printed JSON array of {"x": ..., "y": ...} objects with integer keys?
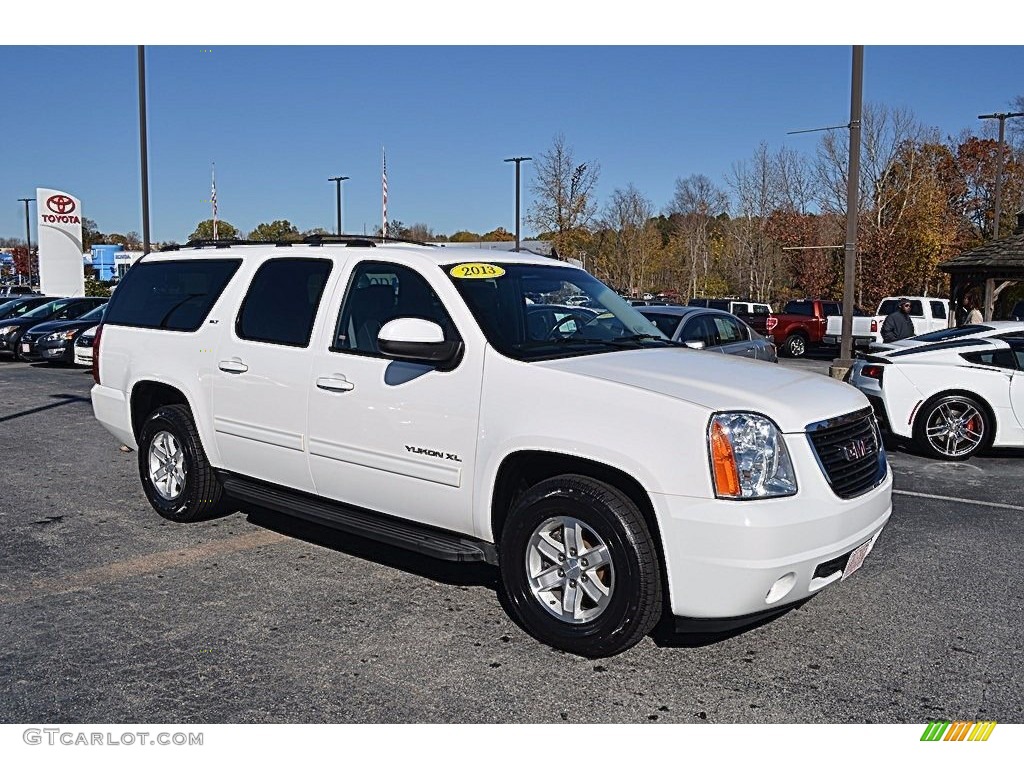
[{"x": 60, "y": 204}]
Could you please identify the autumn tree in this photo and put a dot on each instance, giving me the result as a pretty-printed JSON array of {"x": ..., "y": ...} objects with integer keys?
[
  {"x": 499, "y": 235},
  {"x": 564, "y": 202},
  {"x": 225, "y": 231},
  {"x": 627, "y": 244},
  {"x": 463, "y": 236},
  {"x": 697, "y": 236}
]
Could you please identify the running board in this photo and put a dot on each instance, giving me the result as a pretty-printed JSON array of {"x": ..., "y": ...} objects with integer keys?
[{"x": 433, "y": 542}]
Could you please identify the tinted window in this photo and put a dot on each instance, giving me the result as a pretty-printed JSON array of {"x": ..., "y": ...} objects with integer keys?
[
  {"x": 799, "y": 308},
  {"x": 762, "y": 309},
  {"x": 938, "y": 309},
  {"x": 282, "y": 300},
  {"x": 892, "y": 305},
  {"x": 1018, "y": 352},
  {"x": 377, "y": 294},
  {"x": 998, "y": 358},
  {"x": 728, "y": 330},
  {"x": 946, "y": 334},
  {"x": 176, "y": 295},
  {"x": 831, "y": 308},
  {"x": 95, "y": 314},
  {"x": 667, "y": 324}
]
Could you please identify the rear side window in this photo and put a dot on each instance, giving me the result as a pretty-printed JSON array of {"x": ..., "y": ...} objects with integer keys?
[
  {"x": 175, "y": 295},
  {"x": 667, "y": 324},
  {"x": 938, "y": 310},
  {"x": 831, "y": 308},
  {"x": 893, "y": 305},
  {"x": 998, "y": 358},
  {"x": 281, "y": 304}
]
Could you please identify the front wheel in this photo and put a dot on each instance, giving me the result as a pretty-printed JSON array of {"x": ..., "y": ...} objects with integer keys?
[
  {"x": 580, "y": 568},
  {"x": 954, "y": 428},
  {"x": 176, "y": 476}
]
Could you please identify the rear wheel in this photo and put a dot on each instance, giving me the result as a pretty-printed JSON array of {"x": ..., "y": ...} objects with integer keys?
[
  {"x": 176, "y": 476},
  {"x": 954, "y": 428},
  {"x": 580, "y": 567},
  {"x": 795, "y": 346}
]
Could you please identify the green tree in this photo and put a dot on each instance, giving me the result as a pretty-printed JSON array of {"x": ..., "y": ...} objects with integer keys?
[
  {"x": 91, "y": 234},
  {"x": 204, "y": 231}
]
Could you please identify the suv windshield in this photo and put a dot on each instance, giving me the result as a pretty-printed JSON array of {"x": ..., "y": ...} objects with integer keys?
[{"x": 522, "y": 311}]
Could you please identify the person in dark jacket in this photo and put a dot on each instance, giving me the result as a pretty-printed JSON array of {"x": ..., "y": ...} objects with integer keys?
[{"x": 898, "y": 325}]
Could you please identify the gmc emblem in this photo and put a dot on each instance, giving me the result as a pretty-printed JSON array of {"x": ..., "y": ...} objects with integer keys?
[{"x": 856, "y": 449}]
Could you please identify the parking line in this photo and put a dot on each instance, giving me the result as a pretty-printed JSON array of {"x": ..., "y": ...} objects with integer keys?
[
  {"x": 961, "y": 501},
  {"x": 138, "y": 566}
]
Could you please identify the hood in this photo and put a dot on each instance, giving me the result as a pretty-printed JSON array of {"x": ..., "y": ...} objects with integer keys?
[
  {"x": 792, "y": 399},
  {"x": 52, "y": 326}
]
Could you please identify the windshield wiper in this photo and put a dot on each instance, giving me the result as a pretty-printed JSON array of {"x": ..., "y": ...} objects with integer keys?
[{"x": 645, "y": 337}]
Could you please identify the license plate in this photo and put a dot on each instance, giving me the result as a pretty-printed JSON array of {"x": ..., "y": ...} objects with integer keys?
[
  {"x": 25, "y": 348},
  {"x": 857, "y": 558}
]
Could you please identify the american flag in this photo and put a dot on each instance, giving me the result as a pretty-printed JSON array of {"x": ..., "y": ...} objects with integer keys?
[
  {"x": 384, "y": 191},
  {"x": 213, "y": 197}
]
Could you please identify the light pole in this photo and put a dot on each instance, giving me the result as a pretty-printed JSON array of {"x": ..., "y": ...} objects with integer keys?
[
  {"x": 28, "y": 234},
  {"x": 337, "y": 183},
  {"x": 1001, "y": 117},
  {"x": 517, "y": 161},
  {"x": 143, "y": 150}
]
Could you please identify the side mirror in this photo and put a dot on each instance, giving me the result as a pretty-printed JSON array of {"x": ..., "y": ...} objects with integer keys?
[
  {"x": 695, "y": 344},
  {"x": 415, "y": 340}
]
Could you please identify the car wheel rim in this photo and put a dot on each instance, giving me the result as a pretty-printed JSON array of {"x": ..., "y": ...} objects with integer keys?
[
  {"x": 569, "y": 570},
  {"x": 798, "y": 347},
  {"x": 166, "y": 465},
  {"x": 955, "y": 428}
]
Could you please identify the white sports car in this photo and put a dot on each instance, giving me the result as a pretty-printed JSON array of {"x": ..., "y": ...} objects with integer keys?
[{"x": 952, "y": 398}]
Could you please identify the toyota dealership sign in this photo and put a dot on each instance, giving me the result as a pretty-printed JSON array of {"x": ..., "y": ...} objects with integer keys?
[{"x": 60, "y": 243}]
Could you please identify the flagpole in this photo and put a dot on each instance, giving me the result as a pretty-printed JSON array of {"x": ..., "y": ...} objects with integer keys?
[
  {"x": 384, "y": 192},
  {"x": 213, "y": 196}
]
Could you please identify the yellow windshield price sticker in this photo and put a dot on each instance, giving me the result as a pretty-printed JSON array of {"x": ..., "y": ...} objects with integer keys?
[{"x": 476, "y": 271}]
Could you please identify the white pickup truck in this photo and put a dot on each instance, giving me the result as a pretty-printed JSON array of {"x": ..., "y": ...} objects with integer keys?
[{"x": 927, "y": 313}]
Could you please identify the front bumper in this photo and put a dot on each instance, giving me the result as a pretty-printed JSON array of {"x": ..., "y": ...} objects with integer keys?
[
  {"x": 727, "y": 559},
  {"x": 48, "y": 351}
]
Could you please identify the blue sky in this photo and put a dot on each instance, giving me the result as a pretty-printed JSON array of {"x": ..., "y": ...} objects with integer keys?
[{"x": 280, "y": 120}]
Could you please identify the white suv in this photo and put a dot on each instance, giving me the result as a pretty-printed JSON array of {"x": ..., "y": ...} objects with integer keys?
[{"x": 414, "y": 395}]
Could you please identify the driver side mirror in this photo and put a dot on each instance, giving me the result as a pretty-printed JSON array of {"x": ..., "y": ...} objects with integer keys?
[
  {"x": 414, "y": 340},
  {"x": 695, "y": 344}
]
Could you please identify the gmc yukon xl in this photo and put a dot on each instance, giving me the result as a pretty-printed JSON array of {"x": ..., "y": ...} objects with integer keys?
[{"x": 409, "y": 394}]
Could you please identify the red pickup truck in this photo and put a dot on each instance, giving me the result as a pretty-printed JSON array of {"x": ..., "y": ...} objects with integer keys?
[{"x": 801, "y": 325}]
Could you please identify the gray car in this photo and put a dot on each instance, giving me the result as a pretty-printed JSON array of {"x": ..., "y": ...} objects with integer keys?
[{"x": 711, "y": 329}]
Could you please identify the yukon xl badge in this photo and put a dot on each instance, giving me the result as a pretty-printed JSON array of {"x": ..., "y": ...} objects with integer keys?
[{"x": 435, "y": 454}]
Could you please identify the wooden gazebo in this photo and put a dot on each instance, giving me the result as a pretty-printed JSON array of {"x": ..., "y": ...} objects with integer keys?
[{"x": 990, "y": 268}]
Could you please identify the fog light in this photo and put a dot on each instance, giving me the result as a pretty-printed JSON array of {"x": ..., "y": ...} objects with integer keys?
[{"x": 780, "y": 588}]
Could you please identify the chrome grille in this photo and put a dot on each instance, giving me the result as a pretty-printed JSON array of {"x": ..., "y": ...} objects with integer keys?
[{"x": 850, "y": 452}]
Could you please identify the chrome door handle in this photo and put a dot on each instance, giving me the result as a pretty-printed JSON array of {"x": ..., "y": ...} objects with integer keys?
[
  {"x": 233, "y": 366},
  {"x": 335, "y": 384}
]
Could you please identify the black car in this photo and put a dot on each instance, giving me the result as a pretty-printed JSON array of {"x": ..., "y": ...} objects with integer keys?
[
  {"x": 55, "y": 309},
  {"x": 16, "y": 307},
  {"x": 54, "y": 342}
]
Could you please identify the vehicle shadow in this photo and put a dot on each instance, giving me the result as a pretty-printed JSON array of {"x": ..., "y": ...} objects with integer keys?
[
  {"x": 64, "y": 400},
  {"x": 455, "y": 574}
]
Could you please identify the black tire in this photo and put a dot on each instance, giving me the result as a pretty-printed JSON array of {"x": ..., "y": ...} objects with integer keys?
[
  {"x": 795, "y": 345},
  {"x": 633, "y": 604},
  {"x": 953, "y": 427},
  {"x": 200, "y": 495}
]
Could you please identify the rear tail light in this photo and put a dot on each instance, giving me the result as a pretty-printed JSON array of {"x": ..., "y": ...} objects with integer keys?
[
  {"x": 874, "y": 326},
  {"x": 873, "y": 372},
  {"x": 771, "y": 323},
  {"x": 96, "y": 354}
]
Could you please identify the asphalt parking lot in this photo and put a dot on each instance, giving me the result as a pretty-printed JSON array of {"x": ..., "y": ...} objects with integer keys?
[{"x": 112, "y": 614}]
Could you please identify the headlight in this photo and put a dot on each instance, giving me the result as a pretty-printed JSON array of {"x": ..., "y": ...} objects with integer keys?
[
  {"x": 60, "y": 336},
  {"x": 7, "y": 330},
  {"x": 749, "y": 459}
]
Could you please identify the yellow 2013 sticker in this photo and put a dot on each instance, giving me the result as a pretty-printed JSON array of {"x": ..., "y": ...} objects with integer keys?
[{"x": 476, "y": 271}]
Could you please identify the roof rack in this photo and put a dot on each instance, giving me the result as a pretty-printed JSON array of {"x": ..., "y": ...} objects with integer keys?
[{"x": 356, "y": 241}]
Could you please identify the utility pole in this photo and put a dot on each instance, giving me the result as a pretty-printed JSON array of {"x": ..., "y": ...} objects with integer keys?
[
  {"x": 337, "y": 183},
  {"x": 1001, "y": 117},
  {"x": 517, "y": 161}
]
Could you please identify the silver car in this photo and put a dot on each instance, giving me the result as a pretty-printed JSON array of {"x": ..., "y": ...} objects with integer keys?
[{"x": 711, "y": 329}]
